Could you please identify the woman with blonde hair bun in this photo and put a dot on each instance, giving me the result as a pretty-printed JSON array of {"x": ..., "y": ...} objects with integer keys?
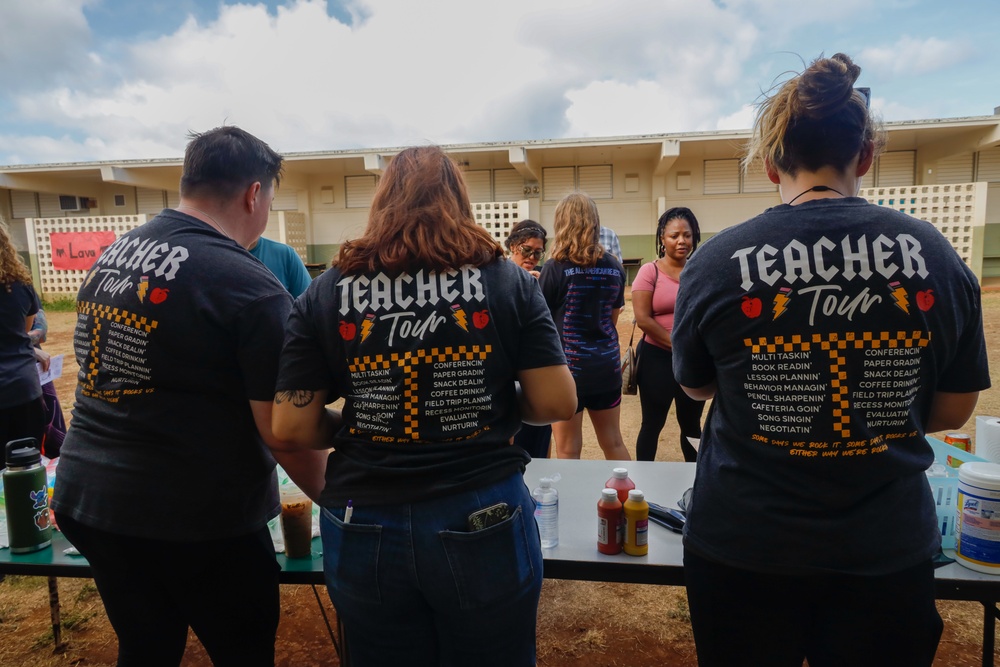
[
  {"x": 832, "y": 335},
  {"x": 22, "y": 411},
  {"x": 584, "y": 287}
]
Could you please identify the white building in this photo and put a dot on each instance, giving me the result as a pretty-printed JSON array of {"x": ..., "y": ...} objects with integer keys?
[{"x": 946, "y": 171}]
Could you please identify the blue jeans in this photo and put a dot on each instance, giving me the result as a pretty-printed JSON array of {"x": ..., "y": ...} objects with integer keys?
[{"x": 413, "y": 586}]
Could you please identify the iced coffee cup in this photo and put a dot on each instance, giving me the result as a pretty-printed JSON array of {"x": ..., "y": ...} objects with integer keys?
[{"x": 296, "y": 522}]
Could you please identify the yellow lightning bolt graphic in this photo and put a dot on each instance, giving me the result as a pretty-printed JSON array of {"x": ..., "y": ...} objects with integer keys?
[
  {"x": 366, "y": 326},
  {"x": 460, "y": 317},
  {"x": 143, "y": 286},
  {"x": 899, "y": 294},
  {"x": 780, "y": 303}
]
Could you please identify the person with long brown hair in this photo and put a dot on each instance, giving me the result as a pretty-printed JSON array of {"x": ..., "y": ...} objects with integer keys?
[
  {"x": 584, "y": 286},
  {"x": 832, "y": 335},
  {"x": 440, "y": 347},
  {"x": 22, "y": 412}
]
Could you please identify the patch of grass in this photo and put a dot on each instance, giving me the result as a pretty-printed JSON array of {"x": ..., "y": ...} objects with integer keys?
[
  {"x": 10, "y": 610},
  {"x": 87, "y": 592},
  {"x": 69, "y": 621},
  {"x": 75, "y": 619},
  {"x": 62, "y": 304},
  {"x": 680, "y": 612},
  {"x": 22, "y": 582}
]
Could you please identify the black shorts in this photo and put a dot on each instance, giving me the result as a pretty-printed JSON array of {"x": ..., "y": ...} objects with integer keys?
[{"x": 603, "y": 401}]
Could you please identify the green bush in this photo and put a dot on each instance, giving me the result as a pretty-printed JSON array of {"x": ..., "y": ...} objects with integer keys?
[{"x": 63, "y": 304}]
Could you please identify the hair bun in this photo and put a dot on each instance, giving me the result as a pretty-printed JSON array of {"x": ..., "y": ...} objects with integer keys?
[{"x": 826, "y": 86}]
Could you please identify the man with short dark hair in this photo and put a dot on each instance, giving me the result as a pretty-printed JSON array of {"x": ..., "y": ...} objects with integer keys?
[{"x": 166, "y": 483}]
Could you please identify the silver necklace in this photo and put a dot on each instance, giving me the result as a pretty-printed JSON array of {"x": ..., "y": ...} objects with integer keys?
[{"x": 215, "y": 223}]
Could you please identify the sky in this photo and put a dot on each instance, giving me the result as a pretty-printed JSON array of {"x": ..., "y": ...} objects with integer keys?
[{"x": 84, "y": 80}]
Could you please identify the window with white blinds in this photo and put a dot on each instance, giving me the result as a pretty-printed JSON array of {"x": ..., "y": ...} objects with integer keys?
[
  {"x": 722, "y": 177},
  {"x": 150, "y": 201},
  {"x": 478, "y": 183},
  {"x": 508, "y": 185},
  {"x": 285, "y": 200},
  {"x": 756, "y": 180},
  {"x": 988, "y": 168},
  {"x": 23, "y": 204},
  {"x": 896, "y": 168},
  {"x": 955, "y": 169},
  {"x": 558, "y": 182},
  {"x": 359, "y": 190},
  {"x": 48, "y": 206},
  {"x": 595, "y": 181}
]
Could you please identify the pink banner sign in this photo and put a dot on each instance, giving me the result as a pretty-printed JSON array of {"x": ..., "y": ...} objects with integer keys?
[{"x": 77, "y": 251}]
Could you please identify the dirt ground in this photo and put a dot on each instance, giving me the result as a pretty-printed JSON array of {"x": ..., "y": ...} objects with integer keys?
[{"x": 580, "y": 624}]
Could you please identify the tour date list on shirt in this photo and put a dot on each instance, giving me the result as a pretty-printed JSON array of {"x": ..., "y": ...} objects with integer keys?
[
  {"x": 112, "y": 337},
  {"x": 820, "y": 377},
  {"x": 397, "y": 382}
]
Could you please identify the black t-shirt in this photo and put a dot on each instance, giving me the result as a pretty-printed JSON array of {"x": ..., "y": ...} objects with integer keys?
[
  {"x": 17, "y": 358},
  {"x": 178, "y": 328},
  {"x": 581, "y": 300},
  {"x": 426, "y": 364},
  {"x": 828, "y": 326}
]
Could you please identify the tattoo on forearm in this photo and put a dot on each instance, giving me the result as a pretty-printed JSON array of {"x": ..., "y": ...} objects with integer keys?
[{"x": 298, "y": 397}]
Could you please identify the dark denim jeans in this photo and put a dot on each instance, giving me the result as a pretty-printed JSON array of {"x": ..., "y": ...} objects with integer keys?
[{"x": 413, "y": 586}]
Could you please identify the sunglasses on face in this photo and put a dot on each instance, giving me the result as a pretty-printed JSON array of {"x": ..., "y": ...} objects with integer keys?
[{"x": 528, "y": 251}]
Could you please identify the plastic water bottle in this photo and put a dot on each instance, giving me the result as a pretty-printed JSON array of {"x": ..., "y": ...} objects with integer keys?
[{"x": 547, "y": 512}]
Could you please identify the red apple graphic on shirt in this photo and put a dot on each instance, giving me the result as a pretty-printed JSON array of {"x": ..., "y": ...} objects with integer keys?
[
  {"x": 925, "y": 299},
  {"x": 158, "y": 295},
  {"x": 751, "y": 306},
  {"x": 481, "y": 319},
  {"x": 347, "y": 330}
]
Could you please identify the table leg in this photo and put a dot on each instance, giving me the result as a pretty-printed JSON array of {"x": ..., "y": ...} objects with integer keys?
[
  {"x": 339, "y": 647},
  {"x": 990, "y": 615},
  {"x": 55, "y": 613}
]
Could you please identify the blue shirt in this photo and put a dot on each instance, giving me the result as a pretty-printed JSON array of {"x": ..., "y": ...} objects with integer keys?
[{"x": 284, "y": 263}]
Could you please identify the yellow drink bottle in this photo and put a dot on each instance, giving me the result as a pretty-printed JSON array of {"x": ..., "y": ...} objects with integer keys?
[{"x": 636, "y": 524}]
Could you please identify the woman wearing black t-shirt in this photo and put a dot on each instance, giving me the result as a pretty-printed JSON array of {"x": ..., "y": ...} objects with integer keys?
[
  {"x": 832, "y": 334},
  {"x": 22, "y": 412},
  {"x": 585, "y": 288},
  {"x": 440, "y": 348}
]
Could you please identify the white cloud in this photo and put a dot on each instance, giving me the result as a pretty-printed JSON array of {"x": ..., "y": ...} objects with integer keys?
[
  {"x": 608, "y": 108},
  {"x": 41, "y": 41},
  {"x": 392, "y": 74},
  {"x": 742, "y": 119},
  {"x": 302, "y": 80},
  {"x": 909, "y": 56}
]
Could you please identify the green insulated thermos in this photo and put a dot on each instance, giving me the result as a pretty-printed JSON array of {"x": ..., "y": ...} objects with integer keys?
[{"x": 27, "y": 498}]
